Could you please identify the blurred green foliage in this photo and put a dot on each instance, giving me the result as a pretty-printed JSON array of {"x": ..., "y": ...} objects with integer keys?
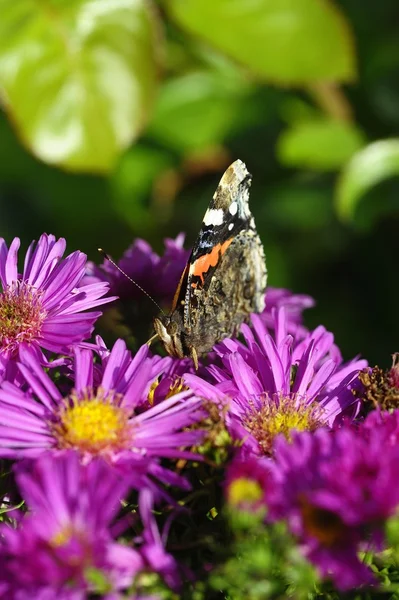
[{"x": 134, "y": 108}]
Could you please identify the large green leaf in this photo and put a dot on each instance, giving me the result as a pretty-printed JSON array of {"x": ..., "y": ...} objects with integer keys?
[
  {"x": 197, "y": 109},
  {"x": 286, "y": 41},
  {"x": 321, "y": 144},
  {"x": 78, "y": 77},
  {"x": 375, "y": 163}
]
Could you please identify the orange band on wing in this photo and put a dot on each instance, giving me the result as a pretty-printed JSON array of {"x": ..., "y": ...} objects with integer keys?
[{"x": 205, "y": 262}]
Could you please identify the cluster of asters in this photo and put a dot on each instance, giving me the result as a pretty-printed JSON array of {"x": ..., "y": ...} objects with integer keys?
[{"x": 84, "y": 426}]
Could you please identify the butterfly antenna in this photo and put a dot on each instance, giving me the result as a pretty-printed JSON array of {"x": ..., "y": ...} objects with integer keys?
[{"x": 105, "y": 255}]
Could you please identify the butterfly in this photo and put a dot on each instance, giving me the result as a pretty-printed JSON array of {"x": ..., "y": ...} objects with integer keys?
[{"x": 224, "y": 280}]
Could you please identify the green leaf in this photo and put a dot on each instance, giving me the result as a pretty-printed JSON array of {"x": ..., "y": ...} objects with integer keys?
[
  {"x": 375, "y": 163},
  {"x": 285, "y": 41},
  {"x": 132, "y": 183},
  {"x": 323, "y": 144},
  {"x": 78, "y": 77},
  {"x": 98, "y": 580},
  {"x": 6, "y": 509},
  {"x": 197, "y": 110}
]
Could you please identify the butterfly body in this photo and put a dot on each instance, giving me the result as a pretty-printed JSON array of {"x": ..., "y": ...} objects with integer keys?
[{"x": 224, "y": 280}]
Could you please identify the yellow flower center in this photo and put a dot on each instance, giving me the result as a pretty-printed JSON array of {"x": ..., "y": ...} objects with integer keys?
[
  {"x": 93, "y": 423},
  {"x": 244, "y": 491},
  {"x": 21, "y": 315},
  {"x": 175, "y": 387},
  {"x": 281, "y": 415},
  {"x": 62, "y": 537},
  {"x": 285, "y": 422},
  {"x": 81, "y": 558}
]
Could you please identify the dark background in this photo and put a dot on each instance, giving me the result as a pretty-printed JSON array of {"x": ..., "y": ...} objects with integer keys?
[{"x": 162, "y": 182}]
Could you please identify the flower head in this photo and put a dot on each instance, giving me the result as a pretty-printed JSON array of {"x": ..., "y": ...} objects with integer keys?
[
  {"x": 336, "y": 490},
  {"x": 277, "y": 384},
  {"x": 157, "y": 275},
  {"x": 246, "y": 483},
  {"x": 106, "y": 419},
  {"x": 42, "y": 307},
  {"x": 384, "y": 421},
  {"x": 380, "y": 389},
  {"x": 64, "y": 547}
]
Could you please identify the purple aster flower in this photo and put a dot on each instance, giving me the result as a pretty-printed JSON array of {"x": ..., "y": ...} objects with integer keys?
[
  {"x": 42, "y": 307},
  {"x": 65, "y": 547},
  {"x": 336, "y": 490},
  {"x": 380, "y": 388},
  {"x": 247, "y": 479},
  {"x": 172, "y": 379},
  {"x": 157, "y": 275},
  {"x": 99, "y": 419},
  {"x": 294, "y": 305},
  {"x": 276, "y": 385},
  {"x": 383, "y": 421}
]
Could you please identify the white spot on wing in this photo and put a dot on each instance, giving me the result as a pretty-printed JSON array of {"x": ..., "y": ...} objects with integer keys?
[
  {"x": 213, "y": 216},
  {"x": 230, "y": 227},
  {"x": 233, "y": 208}
]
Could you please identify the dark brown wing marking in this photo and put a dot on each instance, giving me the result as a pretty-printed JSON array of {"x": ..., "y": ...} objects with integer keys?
[
  {"x": 181, "y": 289},
  {"x": 226, "y": 302}
]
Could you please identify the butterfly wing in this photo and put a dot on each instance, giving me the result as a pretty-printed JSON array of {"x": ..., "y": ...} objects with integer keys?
[{"x": 225, "y": 278}]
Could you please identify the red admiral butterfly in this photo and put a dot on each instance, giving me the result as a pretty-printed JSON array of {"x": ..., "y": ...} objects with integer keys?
[{"x": 225, "y": 277}]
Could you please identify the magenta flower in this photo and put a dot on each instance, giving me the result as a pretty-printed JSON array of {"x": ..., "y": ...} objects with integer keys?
[
  {"x": 99, "y": 419},
  {"x": 294, "y": 305},
  {"x": 385, "y": 421},
  {"x": 157, "y": 275},
  {"x": 64, "y": 547},
  {"x": 336, "y": 490},
  {"x": 276, "y": 385},
  {"x": 42, "y": 307},
  {"x": 246, "y": 483}
]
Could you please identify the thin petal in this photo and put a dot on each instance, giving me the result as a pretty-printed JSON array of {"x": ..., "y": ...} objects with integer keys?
[
  {"x": 32, "y": 363},
  {"x": 116, "y": 365},
  {"x": 11, "y": 270},
  {"x": 83, "y": 369},
  {"x": 3, "y": 259}
]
